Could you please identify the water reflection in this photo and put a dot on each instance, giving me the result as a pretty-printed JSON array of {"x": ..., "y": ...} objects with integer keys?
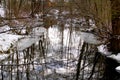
[
  {"x": 2, "y": 11},
  {"x": 69, "y": 39}
]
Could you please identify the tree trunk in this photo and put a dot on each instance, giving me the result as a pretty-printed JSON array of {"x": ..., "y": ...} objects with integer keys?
[
  {"x": 110, "y": 72},
  {"x": 115, "y": 41}
]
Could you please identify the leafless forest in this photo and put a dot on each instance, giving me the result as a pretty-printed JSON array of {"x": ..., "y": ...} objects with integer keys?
[{"x": 59, "y": 39}]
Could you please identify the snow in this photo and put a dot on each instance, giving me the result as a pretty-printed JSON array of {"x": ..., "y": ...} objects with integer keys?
[
  {"x": 115, "y": 57},
  {"x": 54, "y": 11},
  {"x": 117, "y": 69},
  {"x": 10, "y": 41},
  {"x": 54, "y": 34},
  {"x": 26, "y": 42},
  {"x": 65, "y": 12},
  {"x": 90, "y": 38},
  {"x": 3, "y": 56},
  {"x": 7, "y": 41},
  {"x": 73, "y": 38},
  {"x": 38, "y": 31},
  {"x": 63, "y": 70},
  {"x": 103, "y": 50},
  {"x": 4, "y": 28},
  {"x": 47, "y": 72},
  {"x": 2, "y": 12}
]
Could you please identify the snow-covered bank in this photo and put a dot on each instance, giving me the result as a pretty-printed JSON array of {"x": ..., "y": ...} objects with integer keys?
[
  {"x": 8, "y": 41},
  {"x": 26, "y": 42}
]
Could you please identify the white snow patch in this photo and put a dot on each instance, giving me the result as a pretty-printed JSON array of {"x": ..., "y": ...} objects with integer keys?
[
  {"x": 3, "y": 56},
  {"x": 39, "y": 31},
  {"x": 54, "y": 11},
  {"x": 2, "y": 12},
  {"x": 23, "y": 31},
  {"x": 26, "y": 42},
  {"x": 90, "y": 38},
  {"x": 54, "y": 34},
  {"x": 7, "y": 41},
  {"x": 117, "y": 69},
  {"x": 64, "y": 70},
  {"x": 65, "y": 12},
  {"x": 10, "y": 41},
  {"x": 67, "y": 25},
  {"x": 4, "y": 28},
  {"x": 115, "y": 57},
  {"x": 47, "y": 72},
  {"x": 103, "y": 50},
  {"x": 66, "y": 37}
]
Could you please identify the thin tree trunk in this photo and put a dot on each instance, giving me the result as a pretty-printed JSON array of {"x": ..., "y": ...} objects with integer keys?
[{"x": 79, "y": 61}]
